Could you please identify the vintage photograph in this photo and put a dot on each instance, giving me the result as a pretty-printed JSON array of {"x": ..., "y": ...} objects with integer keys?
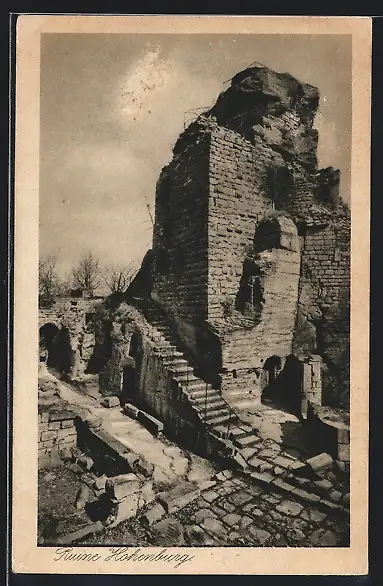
[
  {"x": 194, "y": 280},
  {"x": 192, "y": 295}
]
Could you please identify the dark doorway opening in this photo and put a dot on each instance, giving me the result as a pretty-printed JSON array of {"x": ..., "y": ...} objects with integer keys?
[
  {"x": 128, "y": 390},
  {"x": 282, "y": 383},
  {"x": 57, "y": 344}
]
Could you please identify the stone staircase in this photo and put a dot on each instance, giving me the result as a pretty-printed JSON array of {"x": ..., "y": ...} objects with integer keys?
[
  {"x": 247, "y": 448},
  {"x": 212, "y": 409}
]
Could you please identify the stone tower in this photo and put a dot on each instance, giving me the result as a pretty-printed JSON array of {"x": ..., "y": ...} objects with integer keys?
[{"x": 251, "y": 243}]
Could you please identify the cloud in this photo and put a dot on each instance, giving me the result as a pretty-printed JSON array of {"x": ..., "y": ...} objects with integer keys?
[{"x": 139, "y": 87}]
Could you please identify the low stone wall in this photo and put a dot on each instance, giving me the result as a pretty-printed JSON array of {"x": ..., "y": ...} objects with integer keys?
[
  {"x": 57, "y": 433},
  {"x": 330, "y": 430},
  {"x": 159, "y": 393}
]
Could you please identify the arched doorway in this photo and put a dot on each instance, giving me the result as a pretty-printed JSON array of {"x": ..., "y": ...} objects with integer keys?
[
  {"x": 270, "y": 378},
  {"x": 282, "y": 380},
  {"x": 55, "y": 343},
  {"x": 47, "y": 336}
]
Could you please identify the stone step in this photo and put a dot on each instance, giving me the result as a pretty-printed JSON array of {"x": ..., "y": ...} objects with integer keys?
[
  {"x": 212, "y": 409},
  {"x": 238, "y": 432},
  {"x": 192, "y": 381},
  {"x": 247, "y": 441},
  {"x": 216, "y": 421},
  {"x": 182, "y": 369},
  {"x": 179, "y": 360},
  {"x": 196, "y": 391},
  {"x": 212, "y": 399},
  {"x": 213, "y": 413},
  {"x": 170, "y": 352}
]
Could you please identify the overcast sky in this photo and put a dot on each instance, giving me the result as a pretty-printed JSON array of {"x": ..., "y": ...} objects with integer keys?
[{"x": 113, "y": 105}]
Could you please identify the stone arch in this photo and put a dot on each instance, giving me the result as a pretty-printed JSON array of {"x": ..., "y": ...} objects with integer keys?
[
  {"x": 282, "y": 382},
  {"x": 271, "y": 370},
  {"x": 55, "y": 344},
  {"x": 48, "y": 332},
  {"x": 276, "y": 231}
]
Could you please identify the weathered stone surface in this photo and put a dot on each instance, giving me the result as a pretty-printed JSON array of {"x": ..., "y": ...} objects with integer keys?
[
  {"x": 196, "y": 536},
  {"x": 123, "y": 510},
  {"x": 147, "y": 495},
  {"x": 323, "y": 538},
  {"x": 203, "y": 514},
  {"x": 214, "y": 527},
  {"x": 155, "y": 426},
  {"x": 231, "y": 519},
  {"x": 110, "y": 402},
  {"x": 179, "y": 496},
  {"x": 240, "y": 498},
  {"x": 259, "y": 536},
  {"x": 154, "y": 514},
  {"x": 131, "y": 410},
  {"x": 289, "y": 508},
  {"x": 168, "y": 533},
  {"x": 119, "y": 487},
  {"x": 320, "y": 462},
  {"x": 142, "y": 466}
]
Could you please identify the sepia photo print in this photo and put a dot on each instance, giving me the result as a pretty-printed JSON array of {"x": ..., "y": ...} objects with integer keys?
[{"x": 194, "y": 275}]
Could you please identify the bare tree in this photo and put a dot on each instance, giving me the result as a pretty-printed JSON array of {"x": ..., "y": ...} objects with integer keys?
[
  {"x": 117, "y": 279},
  {"x": 49, "y": 282},
  {"x": 87, "y": 274}
]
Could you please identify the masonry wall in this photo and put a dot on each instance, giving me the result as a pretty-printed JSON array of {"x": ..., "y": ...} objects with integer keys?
[
  {"x": 71, "y": 314},
  {"x": 323, "y": 321},
  {"x": 57, "y": 432},
  {"x": 161, "y": 395},
  {"x": 180, "y": 234},
  {"x": 237, "y": 201}
]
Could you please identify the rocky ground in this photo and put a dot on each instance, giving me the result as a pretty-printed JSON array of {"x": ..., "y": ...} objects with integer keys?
[
  {"x": 230, "y": 511},
  {"x": 195, "y": 502}
]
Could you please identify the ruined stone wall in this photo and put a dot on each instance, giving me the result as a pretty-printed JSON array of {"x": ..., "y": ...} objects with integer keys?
[
  {"x": 57, "y": 432},
  {"x": 74, "y": 315},
  {"x": 254, "y": 154},
  {"x": 237, "y": 201},
  {"x": 180, "y": 234},
  {"x": 323, "y": 321},
  {"x": 159, "y": 393}
]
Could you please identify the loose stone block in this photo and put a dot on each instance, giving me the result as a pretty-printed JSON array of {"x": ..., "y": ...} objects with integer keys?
[
  {"x": 119, "y": 487},
  {"x": 323, "y": 538},
  {"x": 82, "y": 497},
  {"x": 210, "y": 495},
  {"x": 240, "y": 498},
  {"x": 179, "y": 496},
  {"x": 110, "y": 402},
  {"x": 239, "y": 461},
  {"x": 131, "y": 410},
  {"x": 155, "y": 513},
  {"x": 207, "y": 484},
  {"x": 320, "y": 462},
  {"x": 224, "y": 475},
  {"x": 214, "y": 527},
  {"x": 123, "y": 510},
  {"x": 151, "y": 423}
]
